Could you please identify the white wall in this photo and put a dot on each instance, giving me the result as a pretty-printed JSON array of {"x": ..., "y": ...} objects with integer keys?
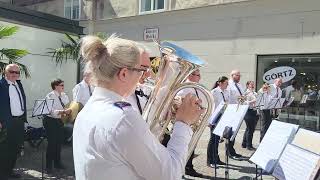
[
  {"x": 230, "y": 36},
  {"x": 42, "y": 68}
]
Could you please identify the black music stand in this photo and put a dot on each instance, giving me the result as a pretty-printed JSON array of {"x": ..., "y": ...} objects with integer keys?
[
  {"x": 42, "y": 107},
  {"x": 215, "y": 117}
]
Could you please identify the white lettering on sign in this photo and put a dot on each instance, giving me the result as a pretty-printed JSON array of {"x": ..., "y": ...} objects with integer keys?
[
  {"x": 286, "y": 73},
  {"x": 150, "y": 34}
]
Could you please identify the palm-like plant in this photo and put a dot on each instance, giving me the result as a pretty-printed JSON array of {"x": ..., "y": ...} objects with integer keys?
[
  {"x": 8, "y": 56},
  {"x": 68, "y": 50}
]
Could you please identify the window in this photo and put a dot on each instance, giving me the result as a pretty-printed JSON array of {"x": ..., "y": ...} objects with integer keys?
[
  {"x": 72, "y": 9},
  {"x": 146, "y": 6},
  {"x": 305, "y": 108}
]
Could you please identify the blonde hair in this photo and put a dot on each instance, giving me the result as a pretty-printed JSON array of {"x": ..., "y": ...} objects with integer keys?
[{"x": 105, "y": 58}]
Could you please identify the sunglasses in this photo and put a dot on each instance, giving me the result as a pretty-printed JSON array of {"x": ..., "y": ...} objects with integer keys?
[{"x": 14, "y": 72}]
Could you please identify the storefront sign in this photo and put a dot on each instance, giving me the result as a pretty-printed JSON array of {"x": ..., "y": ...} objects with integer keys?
[
  {"x": 286, "y": 73},
  {"x": 150, "y": 34}
]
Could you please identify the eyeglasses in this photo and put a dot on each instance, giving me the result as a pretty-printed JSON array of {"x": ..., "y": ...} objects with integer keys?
[
  {"x": 138, "y": 69},
  {"x": 14, "y": 72},
  {"x": 196, "y": 75},
  {"x": 61, "y": 85}
]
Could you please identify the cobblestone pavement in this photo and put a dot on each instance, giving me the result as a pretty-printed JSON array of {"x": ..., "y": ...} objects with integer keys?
[{"x": 29, "y": 165}]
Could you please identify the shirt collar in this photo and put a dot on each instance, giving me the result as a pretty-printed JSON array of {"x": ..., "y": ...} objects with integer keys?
[
  {"x": 10, "y": 82},
  {"x": 57, "y": 94},
  {"x": 84, "y": 83},
  {"x": 103, "y": 93}
]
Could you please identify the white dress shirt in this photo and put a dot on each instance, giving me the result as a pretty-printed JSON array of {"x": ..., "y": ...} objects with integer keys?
[
  {"x": 142, "y": 99},
  {"x": 251, "y": 98},
  {"x": 218, "y": 95},
  {"x": 56, "y": 103},
  {"x": 81, "y": 92},
  {"x": 275, "y": 91},
  {"x": 194, "y": 92},
  {"x": 15, "y": 105},
  {"x": 234, "y": 92},
  {"x": 115, "y": 143}
]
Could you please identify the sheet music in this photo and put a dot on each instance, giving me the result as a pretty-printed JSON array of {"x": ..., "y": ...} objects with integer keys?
[
  {"x": 216, "y": 113},
  {"x": 307, "y": 140},
  {"x": 304, "y": 99},
  {"x": 273, "y": 143},
  {"x": 296, "y": 164},
  {"x": 232, "y": 117}
]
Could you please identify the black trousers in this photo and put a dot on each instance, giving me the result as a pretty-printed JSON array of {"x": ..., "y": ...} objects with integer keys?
[
  {"x": 189, "y": 164},
  {"x": 54, "y": 130},
  {"x": 265, "y": 122},
  {"x": 250, "y": 119},
  {"x": 10, "y": 148},
  {"x": 212, "y": 150}
]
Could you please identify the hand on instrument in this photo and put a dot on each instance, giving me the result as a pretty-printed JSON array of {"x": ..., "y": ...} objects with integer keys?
[
  {"x": 190, "y": 110},
  {"x": 67, "y": 111}
]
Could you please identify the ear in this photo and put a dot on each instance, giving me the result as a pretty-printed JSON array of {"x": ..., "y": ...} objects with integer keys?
[{"x": 123, "y": 74}]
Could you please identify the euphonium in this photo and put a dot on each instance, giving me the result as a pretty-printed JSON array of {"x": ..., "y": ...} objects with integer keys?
[{"x": 175, "y": 66}]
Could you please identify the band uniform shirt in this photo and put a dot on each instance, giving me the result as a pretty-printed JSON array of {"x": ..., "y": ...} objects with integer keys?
[
  {"x": 56, "y": 103},
  {"x": 251, "y": 98},
  {"x": 275, "y": 91},
  {"x": 16, "y": 100},
  {"x": 82, "y": 92},
  {"x": 220, "y": 96},
  {"x": 236, "y": 90},
  {"x": 143, "y": 99},
  {"x": 115, "y": 143}
]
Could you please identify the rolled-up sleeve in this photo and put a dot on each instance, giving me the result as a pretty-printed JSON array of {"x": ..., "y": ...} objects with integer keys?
[{"x": 142, "y": 151}]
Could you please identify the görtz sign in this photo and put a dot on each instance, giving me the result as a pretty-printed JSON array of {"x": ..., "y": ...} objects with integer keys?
[{"x": 286, "y": 73}]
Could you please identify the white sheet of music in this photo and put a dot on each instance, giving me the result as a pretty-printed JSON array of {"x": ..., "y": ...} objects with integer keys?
[
  {"x": 296, "y": 163},
  {"x": 307, "y": 139},
  {"x": 213, "y": 119},
  {"x": 232, "y": 117},
  {"x": 273, "y": 143}
]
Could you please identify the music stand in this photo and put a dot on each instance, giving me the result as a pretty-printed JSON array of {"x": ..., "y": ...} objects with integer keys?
[
  {"x": 231, "y": 118},
  {"x": 260, "y": 101},
  {"x": 214, "y": 119},
  {"x": 275, "y": 103},
  {"x": 42, "y": 107}
]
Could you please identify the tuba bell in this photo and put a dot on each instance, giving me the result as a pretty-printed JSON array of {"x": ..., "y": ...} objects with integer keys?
[{"x": 175, "y": 66}]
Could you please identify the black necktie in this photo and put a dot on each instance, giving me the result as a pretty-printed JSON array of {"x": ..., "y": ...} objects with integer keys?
[
  {"x": 224, "y": 99},
  {"x": 238, "y": 88},
  {"x": 90, "y": 92},
  {"x": 61, "y": 102},
  {"x": 138, "y": 93},
  {"x": 196, "y": 93},
  {"x": 20, "y": 99},
  {"x": 141, "y": 93}
]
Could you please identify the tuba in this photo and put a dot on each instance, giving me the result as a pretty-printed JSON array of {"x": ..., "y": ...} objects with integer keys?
[{"x": 175, "y": 66}]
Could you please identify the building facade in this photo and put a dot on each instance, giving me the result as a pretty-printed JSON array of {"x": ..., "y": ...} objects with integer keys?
[{"x": 254, "y": 36}]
